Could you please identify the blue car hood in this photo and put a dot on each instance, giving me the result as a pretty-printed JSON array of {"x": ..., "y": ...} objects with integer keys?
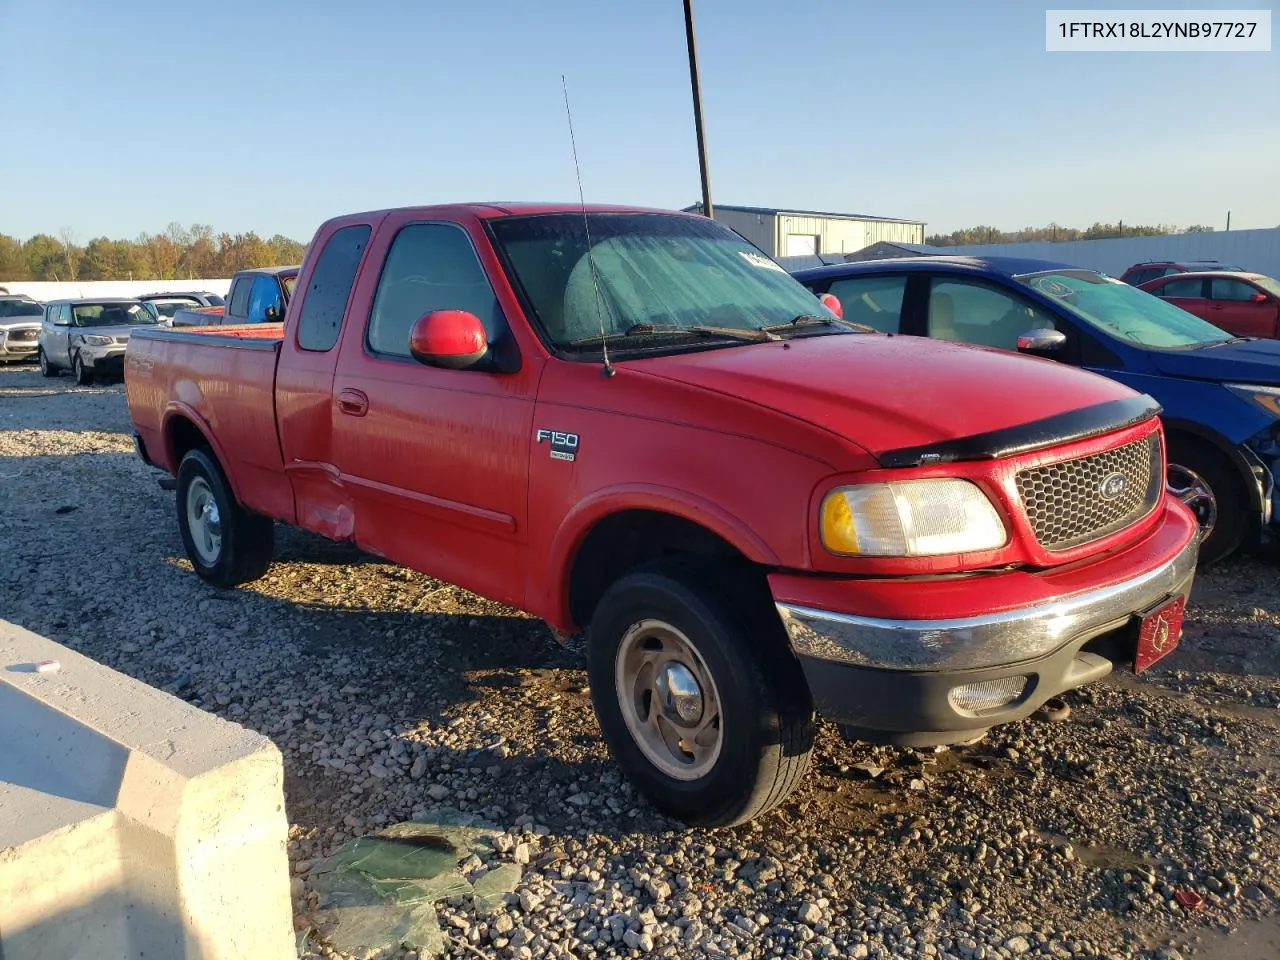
[{"x": 1253, "y": 361}]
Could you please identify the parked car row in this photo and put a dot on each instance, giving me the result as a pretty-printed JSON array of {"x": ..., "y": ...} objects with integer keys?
[
  {"x": 88, "y": 336},
  {"x": 874, "y": 490}
]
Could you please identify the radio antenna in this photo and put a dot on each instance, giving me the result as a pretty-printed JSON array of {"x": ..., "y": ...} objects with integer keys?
[{"x": 586, "y": 225}]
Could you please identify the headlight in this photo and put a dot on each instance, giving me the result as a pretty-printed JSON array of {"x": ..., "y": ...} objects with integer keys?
[
  {"x": 1268, "y": 398},
  {"x": 910, "y": 518},
  {"x": 94, "y": 340}
]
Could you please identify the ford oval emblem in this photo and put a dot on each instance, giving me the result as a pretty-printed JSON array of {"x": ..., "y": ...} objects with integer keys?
[{"x": 1112, "y": 486}]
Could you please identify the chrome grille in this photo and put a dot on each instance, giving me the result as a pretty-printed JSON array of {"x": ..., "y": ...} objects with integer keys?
[
  {"x": 15, "y": 335},
  {"x": 1075, "y": 501}
]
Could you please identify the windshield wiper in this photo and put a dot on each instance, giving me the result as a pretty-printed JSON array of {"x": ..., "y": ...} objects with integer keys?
[
  {"x": 753, "y": 334},
  {"x": 1223, "y": 343},
  {"x": 809, "y": 319}
]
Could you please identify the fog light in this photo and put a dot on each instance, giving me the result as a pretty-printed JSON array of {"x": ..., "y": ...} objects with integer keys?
[{"x": 976, "y": 698}]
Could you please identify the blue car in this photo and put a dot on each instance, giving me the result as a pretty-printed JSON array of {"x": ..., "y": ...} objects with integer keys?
[{"x": 1220, "y": 394}]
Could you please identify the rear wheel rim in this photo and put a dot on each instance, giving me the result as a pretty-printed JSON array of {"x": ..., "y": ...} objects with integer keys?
[
  {"x": 1194, "y": 491},
  {"x": 204, "y": 520},
  {"x": 669, "y": 700}
]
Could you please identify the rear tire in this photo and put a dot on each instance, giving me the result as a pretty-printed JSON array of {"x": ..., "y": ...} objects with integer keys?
[
  {"x": 47, "y": 369},
  {"x": 83, "y": 375},
  {"x": 1227, "y": 491},
  {"x": 225, "y": 543},
  {"x": 699, "y": 699}
]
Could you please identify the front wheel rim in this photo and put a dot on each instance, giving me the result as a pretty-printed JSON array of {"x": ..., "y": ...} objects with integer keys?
[
  {"x": 669, "y": 700},
  {"x": 1196, "y": 494},
  {"x": 204, "y": 520}
]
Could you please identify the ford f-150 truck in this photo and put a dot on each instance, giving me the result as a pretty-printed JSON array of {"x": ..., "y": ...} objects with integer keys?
[{"x": 635, "y": 424}]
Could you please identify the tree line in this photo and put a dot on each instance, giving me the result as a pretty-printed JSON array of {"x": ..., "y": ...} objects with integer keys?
[
  {"x": 178, "y": 253},
  {"x": 1057, "y": 233}
]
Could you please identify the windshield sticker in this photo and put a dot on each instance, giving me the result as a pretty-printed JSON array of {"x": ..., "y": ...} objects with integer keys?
[
  {"x": 759, "y": 260},
  {"x": 1054, "y": 288}
]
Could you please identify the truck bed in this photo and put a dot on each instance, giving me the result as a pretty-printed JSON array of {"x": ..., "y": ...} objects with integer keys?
[{"x": 221, "y": 380}]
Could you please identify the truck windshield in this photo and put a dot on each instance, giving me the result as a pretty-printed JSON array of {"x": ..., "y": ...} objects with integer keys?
[
  {"x": 1124, "y": 311},
  {"x": 111, "y": 314},
  {"x": 649, "y": 276}
]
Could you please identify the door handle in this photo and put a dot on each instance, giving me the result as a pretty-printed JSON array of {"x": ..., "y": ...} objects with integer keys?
[{"x": 354, "y": 403}]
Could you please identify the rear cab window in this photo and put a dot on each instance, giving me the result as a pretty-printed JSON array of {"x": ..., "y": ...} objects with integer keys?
[
  {"x": 239, "y": 298},
  {"x": 325, "y": 298}
]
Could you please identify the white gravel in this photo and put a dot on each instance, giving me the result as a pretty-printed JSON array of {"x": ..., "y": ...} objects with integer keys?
[{"x": 392, "y": 694}]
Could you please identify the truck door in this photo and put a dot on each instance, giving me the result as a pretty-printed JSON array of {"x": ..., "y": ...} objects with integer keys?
[
  {"x": 304, "y": 382},
  {"x": 435, "y": 460}
]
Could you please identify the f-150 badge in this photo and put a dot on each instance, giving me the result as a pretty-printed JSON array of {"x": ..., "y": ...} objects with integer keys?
[{"x": 564, "y": 446}]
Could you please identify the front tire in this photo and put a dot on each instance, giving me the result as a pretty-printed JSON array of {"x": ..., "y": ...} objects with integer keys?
[
  {"x": 1206, "y": 484},
  {"x": 699, "y": 699},
  {"x": 225, "y": 543},
  {"x": 47, "y": 369},
  {"x": 83, "y": 375}
]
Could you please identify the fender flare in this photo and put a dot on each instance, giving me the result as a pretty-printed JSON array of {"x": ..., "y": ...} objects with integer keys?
[
  {"x": 1252, "y": 472},
  {"x": 587, "y": 513},
  {"x": 175, "y": 409}
]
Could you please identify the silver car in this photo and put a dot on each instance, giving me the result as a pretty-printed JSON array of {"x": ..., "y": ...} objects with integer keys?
[
  {"x": 19, "y": 328},
  {"x": 88, "y": 337}
]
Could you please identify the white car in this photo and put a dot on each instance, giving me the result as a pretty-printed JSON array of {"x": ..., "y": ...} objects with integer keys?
[
  {"x": 89, "y": 337},
  {"x": 19, "y": 328}
]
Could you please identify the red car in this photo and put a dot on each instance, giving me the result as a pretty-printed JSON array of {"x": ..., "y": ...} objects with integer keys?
[
  {"x": 1246, "y": 304},
  {"x": 1140, "y": 273},
  {"x": 635, "y": 424}
]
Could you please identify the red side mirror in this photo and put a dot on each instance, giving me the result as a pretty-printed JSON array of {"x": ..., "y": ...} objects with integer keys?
[
  {"x": 448, "y": 338},
  {"x": 1259, "y": 298},
  {"x": 832, "y": 303}
]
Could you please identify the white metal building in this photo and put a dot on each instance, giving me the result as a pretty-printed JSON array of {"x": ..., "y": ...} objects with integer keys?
[{"x": 797, "y": 233}]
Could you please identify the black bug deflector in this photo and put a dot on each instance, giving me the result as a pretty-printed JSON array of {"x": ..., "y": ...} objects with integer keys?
[{"x": 1061, "y": 428}]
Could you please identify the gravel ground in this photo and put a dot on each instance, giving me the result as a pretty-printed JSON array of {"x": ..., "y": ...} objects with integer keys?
[{"x": 392, "y": 694}]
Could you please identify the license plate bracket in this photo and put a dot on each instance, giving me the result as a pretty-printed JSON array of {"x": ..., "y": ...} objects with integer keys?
[{"x": 1159, "y": 632}]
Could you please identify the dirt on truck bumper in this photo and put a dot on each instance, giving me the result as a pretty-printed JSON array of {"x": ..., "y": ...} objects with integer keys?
[{"x": 923, "y": 681}]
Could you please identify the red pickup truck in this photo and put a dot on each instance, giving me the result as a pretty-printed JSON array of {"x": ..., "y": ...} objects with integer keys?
[{"x": 633, "y": 423}]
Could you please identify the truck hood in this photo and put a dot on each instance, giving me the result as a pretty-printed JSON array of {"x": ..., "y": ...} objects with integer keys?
[
  {"x": 1253, "y": 361},
  {"x": 887, "y": 393}
]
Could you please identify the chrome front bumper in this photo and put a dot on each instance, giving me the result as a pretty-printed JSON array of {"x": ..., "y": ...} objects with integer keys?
[{"x": 998, "y": 639}]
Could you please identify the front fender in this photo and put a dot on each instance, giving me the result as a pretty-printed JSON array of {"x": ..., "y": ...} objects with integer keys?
[{"x": 635, "y": 496}]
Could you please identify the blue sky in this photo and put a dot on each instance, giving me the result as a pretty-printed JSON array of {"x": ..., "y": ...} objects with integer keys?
[{"x": 271, "y": 115}]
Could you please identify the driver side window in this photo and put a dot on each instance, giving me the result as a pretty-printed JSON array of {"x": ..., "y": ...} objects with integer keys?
[
  {"x": 430, "y": 266},
  {"x": 967, "y": 311}
]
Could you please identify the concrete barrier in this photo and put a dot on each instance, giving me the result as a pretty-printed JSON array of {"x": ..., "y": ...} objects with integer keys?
[{"x": 132, "y": 824}]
